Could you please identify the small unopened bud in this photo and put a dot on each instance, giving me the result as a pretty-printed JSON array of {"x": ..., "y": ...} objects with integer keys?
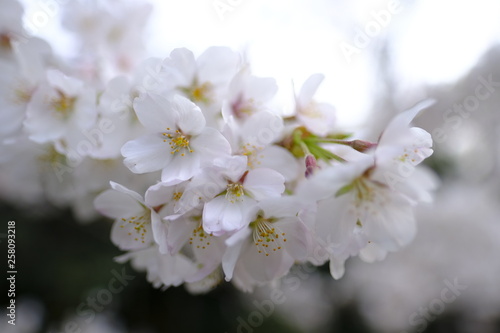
[
  {"x": 361, "y": 145},
  {"x": 311, "y": 165}
]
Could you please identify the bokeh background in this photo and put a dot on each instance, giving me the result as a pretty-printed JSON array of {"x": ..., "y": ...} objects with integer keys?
[{"x": 439, "y": 49}]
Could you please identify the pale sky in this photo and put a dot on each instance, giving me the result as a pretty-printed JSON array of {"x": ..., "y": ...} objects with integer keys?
[{"x": 434, "y": 41}]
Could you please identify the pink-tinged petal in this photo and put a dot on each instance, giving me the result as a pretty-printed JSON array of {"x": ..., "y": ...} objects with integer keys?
[
  {"x": 181, "y": 168},
  {"x": 124, "y": 190},
  {"x": 147, "y": 153},
  {"x": 309, "y": 89},
  {"x": 114, "y": 204},
  {"x": 155, "y": 112},
  {"x": 235, "y": 244},
  {"x": 264, "y": 183},
  {"x": 190, "y": 118},
  {"x": 210, "y": 144}
]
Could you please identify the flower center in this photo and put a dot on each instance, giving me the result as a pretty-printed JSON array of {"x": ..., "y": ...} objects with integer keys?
[
  {"x": 179, "y": 143},
  {"x": 243, "y": 108},
  {"x": 267, "y": 238},
  {"x": 199, "y": 238},
  {"x": 364, "y": 192},
  {"x": 63, "y": 105},
  {"x": 139, "y": 226},
  {"x": 311, "y": 111},
  {"x": 5, "y": 41},
  {"x": 198, "y": 92},
  {"x": 252, "y": 154},
  {"x": 235, "y": 192}
]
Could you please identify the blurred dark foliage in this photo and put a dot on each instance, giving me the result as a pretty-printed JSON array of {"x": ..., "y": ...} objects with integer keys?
[{"x": 61, "y": 263}]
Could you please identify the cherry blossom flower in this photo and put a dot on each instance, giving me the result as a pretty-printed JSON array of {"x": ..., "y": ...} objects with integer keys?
[
  {"x": 61, "y": 111},
  {"x": 163, "y": 270},
  {"x": 319, "y": 118},
  {"x": 268, "y": 247},
  {"x": 178, "y": 142},
  {"x": 132, "y": 228},
  {"x": 239, "y": 192},
  {"x": 366, "y": 207}
]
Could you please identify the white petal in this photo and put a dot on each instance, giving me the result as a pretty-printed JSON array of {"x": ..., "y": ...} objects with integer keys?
[
  {"x": 159, "y": 229},
  {"x": 264, "y": 183},
  {"x": 262, "y": 129},
  {"x": 122, "y": 189},
  {"x": 210, "y": 144},
  {"x": 399, "y": 124},
  {"x": 297, "y": 235},
  {"x": 114, "y": 204},
  {"x": 261, "y": 88},
  {"x": 217, "y": 65},
  {"x": 211, "y": 215},
  {"x": 179, "y": 231},
  {"x": 127, "y": 237},
  {"x": 159, "y": 194},
  {"x": 372, "y": 252},
  {"x": 147, "y": 153},
  {"x": 319, "y": 118},
  {"x": 279, "y": 159},
  {"x": 232, "y": 253},
  {"x": 155, "y": 112},
  {"x": 309, "y": 89},
  {"x": 180, "y": 67},
  {"x": 181, "y": 168},
  {"x": 190, "y": 118},
  {"x": 337, "y": 268}
]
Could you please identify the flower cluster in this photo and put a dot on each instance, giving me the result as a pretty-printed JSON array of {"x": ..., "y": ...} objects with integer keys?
[{"x": 210, "y": 179}]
